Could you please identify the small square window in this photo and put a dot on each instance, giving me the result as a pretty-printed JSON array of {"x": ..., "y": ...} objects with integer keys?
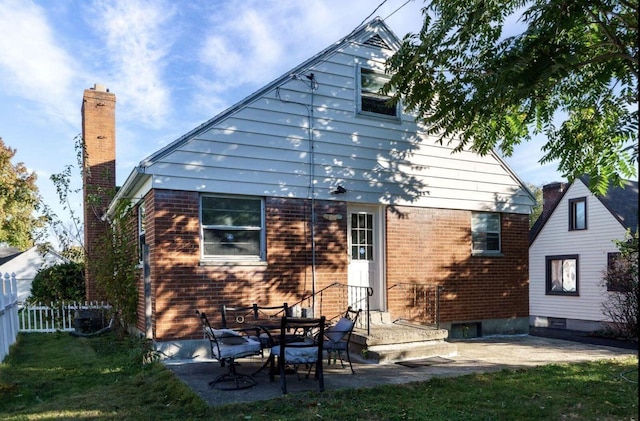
[
  {"x": 562, "y": 275},
  {"x": 485, "y": 232},
  {"x": 371, "y": 101},
  {"x": 232, "y": 228},
  {"x": 578, "y": 214}
]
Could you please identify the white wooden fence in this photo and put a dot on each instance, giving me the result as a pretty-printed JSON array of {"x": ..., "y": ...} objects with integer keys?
[
  {"x": 8, "y": 313},
  {"x": 53, "y": 317}
]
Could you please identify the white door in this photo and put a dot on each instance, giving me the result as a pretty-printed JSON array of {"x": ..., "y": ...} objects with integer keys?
[{"x": 366, "y": 258}]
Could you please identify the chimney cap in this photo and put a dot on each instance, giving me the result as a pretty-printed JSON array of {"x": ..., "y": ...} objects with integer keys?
[{"x": 99, "y": 87}]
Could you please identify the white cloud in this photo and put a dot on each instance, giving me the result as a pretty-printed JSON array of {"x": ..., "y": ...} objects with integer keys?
[
  {"x": 32, "y": 64},
  {"x": 138, "y": 42}
]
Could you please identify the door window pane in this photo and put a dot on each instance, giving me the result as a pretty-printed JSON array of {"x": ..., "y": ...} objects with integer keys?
[{"x": 361, "y": 236}]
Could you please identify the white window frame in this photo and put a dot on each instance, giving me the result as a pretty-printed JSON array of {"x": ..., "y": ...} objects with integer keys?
[
  {"x": 477, "y": 231},
  {"x": 141, "y": 229},
  {"x": 360, "y": 90},
  {"x": 261, "y": 256}
]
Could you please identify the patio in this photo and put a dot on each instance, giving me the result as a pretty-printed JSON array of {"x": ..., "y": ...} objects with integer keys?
[{"x": 479, "y": 355}]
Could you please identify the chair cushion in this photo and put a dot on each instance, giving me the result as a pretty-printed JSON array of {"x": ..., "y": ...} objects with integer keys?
[
  {"x": 223, "y": 333},
  {"x": 334, "y": 346},
  {"x": 340, "y": 330},
  {"x": 244, "y": 349},
  {"x": 297, "y": 353}
]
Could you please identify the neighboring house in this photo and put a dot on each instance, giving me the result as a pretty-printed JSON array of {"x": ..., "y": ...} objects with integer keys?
[
  {"x": 571, "y": 245},
  {"x": 26, "y": 264},
  {"x": 311, "y": 180}
]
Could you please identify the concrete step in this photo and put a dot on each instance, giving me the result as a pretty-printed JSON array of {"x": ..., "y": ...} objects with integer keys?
[
  {"x": 400, "y": 341},
  {"x": 379, "y": 317}
]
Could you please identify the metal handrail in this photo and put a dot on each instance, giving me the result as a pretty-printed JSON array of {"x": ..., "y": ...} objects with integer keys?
[
  {"x": 436, "y": 304},
  {"x": 320, "y": 293}
]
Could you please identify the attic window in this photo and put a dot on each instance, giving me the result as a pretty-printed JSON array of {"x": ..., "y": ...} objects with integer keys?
[
  {"x": 371, "y": 101},
  {"x": 377, "y": 41}
]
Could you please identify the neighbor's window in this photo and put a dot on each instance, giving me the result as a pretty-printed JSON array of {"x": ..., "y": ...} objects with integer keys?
[
  {"x": 619, "y": 273},
  {"x": 578, "y": 214},
  {"x": 232, "y": 228},
  {"x": 562, "y": 274},
  {"x": 371, "y": 101},
  {"x": 485, "y": 232},
  {"x": 141, "y": 230}
]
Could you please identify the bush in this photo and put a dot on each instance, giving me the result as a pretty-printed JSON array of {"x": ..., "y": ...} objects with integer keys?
[
  {"x": 63, "y": 282},
  {"x": 621, "y": 280}
]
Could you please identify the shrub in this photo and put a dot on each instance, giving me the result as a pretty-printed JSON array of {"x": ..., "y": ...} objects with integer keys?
[
  {"x": 62, "y": 282},
  {"x": 621, "y": 280}
]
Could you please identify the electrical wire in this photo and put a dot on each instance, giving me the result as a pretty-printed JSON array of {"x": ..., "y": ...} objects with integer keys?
[
  {"x": 371, "y": 14},
  {"x": 394, "y": 12}
]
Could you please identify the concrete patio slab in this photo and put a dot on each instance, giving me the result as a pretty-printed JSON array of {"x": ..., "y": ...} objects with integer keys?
[{"x": 473, "y": 356}]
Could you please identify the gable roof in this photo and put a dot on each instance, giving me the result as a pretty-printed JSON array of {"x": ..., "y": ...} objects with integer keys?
[
  {"x": 374, "y": 33},
  {"x": 621, "y": 202},
  {"x": 8, "y": 253}
]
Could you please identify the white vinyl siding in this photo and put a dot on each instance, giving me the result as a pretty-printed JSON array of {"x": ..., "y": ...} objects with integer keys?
[
  {"x": 263, "y": 148},
  {"x": 591, "y": 246}
]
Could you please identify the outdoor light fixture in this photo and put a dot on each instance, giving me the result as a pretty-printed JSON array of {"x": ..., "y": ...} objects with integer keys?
[{"x": 339, "y": 190}]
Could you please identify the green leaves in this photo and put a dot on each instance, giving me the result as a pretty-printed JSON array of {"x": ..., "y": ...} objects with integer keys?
[
  {"x": 569, "y": 74},
  {"x": 19, "y": 199}
]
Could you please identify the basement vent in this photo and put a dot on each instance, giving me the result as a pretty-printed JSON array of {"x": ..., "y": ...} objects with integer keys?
[{"x": 376, "y": 41}]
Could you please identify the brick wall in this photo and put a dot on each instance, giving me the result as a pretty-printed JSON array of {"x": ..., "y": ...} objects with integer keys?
[
  {"x": 433, "y": 246},
  {"x": 180, "y": 284},
  {"x": 424, "y": 246},
  {"x": 99, "y": 172}
]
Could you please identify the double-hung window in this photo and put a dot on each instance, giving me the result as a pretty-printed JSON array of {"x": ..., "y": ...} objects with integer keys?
[
  {"x": 562, "y": 275},
  {"x": 371, "y": 101},
  {"x": 619, "y": 272},
  {"x": 578, "y": 214},
  {"x": 141, "y": 230},
  {"x": 232, "y": 228},
  {"x": 485, "y": 233}
]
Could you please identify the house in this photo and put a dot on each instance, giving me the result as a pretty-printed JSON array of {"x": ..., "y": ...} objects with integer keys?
[
  {"x": 572, "y": 242},
  {"x": 315, "y": 180},
  {"x": 26, "y": 264}
]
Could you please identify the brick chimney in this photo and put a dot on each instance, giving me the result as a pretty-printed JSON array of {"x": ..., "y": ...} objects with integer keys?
[
  {"x": 99, "y": 173},
  {"x": 551, "y": 193}
]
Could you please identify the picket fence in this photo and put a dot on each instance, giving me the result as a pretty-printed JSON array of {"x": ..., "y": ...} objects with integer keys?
[
  {"x": 8, "y": 313},
  {"x": 53, "y": 317}
]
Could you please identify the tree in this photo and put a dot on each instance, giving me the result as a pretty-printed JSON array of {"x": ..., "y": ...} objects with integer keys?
[
  {"x": 69, "y": 232},
  {"x": 536, "y": 210},
  {"x": 19, "y": 200},
  {"x": 571, "y": 75}
]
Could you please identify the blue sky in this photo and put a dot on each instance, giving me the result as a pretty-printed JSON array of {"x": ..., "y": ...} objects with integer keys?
[{"x": 172, "y": 65}]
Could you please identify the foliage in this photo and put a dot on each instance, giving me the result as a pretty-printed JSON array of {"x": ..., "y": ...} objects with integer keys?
[
  {"x": 571, "y": 75},
  {"x": 68, "y": 232},
  {"x": 50, "y": 376},
  {"x": 61, "y": 282},
  {"x": 19, "y": 200},
  {"x": 621, "y": 279},
  {"x": 115, "y": 269},
  {"x": 536, "y": 211}
]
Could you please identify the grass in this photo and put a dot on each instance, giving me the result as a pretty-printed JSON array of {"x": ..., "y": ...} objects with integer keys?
[{"x": 58, "y": 376}]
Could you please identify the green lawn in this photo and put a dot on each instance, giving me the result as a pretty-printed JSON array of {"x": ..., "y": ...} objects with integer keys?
[{"x": 58, "y": 376}]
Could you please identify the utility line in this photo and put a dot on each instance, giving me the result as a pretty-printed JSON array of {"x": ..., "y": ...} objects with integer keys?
[{"x": 394, "y": 12}]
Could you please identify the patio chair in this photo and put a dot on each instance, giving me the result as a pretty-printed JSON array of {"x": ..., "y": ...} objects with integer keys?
[
  {"x": 338, "y": 337},
  {"x": 300, "y": 344},
  {"x": 227, "y": 345}
]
